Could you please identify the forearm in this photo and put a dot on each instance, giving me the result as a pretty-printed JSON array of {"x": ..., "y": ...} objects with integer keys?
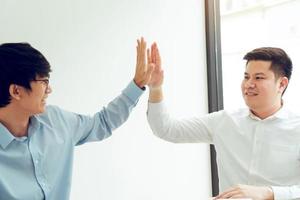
[
  {"x": 100, "y": 126},
  {"x": 118, "y": 110},
  {"x": 176, "y": 130},
  {"x": 156, "y": 95}
]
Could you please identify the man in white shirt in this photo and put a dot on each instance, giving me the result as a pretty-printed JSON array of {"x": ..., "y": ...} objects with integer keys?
[{"x": 258, "y": 149}]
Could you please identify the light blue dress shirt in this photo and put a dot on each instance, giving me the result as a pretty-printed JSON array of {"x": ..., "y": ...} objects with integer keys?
[{"x": 40, "y": 166}]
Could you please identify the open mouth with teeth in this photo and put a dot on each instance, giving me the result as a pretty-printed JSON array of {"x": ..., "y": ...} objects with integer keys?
[{"x": 248, "y": 93}]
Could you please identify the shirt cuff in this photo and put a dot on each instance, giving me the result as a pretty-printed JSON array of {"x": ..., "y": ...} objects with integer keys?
[
  {"x": 281, "y": 193},
  {"x": 133, "y": 92},
  {"x": 158, "y": 107}
]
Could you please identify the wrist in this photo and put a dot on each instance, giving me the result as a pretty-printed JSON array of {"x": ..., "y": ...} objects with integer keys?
[
  {"x": 140, "y": 84},
  {"x": 269, "y": 193},
  {"x": 155, "y": 89},
  {"x": 155, "y": 95}
]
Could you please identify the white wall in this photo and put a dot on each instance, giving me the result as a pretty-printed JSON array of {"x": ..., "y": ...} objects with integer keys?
[{"x": 91, "y": 47}]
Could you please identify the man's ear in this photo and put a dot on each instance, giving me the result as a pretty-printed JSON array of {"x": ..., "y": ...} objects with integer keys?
[
  {"x": 283, "y": 83},
  {"x": 15, "y": 91}
]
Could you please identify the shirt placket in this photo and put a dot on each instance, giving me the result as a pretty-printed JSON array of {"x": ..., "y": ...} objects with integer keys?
[
  {"x": 36, "y": 158},
  {"x": 256, "y": 149}
]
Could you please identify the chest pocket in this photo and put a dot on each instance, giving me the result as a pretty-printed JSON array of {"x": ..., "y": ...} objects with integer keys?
[{"x": 280, "y": 164}]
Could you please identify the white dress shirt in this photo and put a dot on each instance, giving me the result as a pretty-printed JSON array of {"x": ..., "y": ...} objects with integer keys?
[{"x": 249, "y": 150}]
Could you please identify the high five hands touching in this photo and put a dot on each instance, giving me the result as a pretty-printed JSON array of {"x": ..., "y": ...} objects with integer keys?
[
  {"x": 157, "y": 76},
  {"x": 149, "y": 73},
  {"x": 143, "y": 70}
]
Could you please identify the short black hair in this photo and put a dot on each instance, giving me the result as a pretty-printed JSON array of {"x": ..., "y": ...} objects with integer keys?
[
  {"x": 20, "y": 64},
  {"x": 281, "y": 64}
]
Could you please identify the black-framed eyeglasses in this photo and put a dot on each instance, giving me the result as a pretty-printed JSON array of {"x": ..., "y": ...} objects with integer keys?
[{"x": 44, "y": 81}]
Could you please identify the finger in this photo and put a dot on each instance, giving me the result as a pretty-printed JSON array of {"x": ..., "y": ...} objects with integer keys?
[
  {"x": 225, "y": 193},
  {"x": 149, "y": 56},
  {"x": 141, "y": 68},
  {"x": 142, "y": 55},
  {"x": 158, "y": 59},
  {"x": 138, "y": 42},
  {"x": 143, "y": 43},
  {"x": 162, "y": 74},
  {"x": 149, "y": 73},
  {"x": 239, "y": 196},
  {"x": 231, "y": 194},
  {"x": 153, "y": 53},
  {"x": 138, "y": 57},
  {"x": 142, "y": 39}
]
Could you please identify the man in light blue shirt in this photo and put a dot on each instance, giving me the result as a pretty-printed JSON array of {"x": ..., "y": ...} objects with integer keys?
[{"x": 37, "y": 141}]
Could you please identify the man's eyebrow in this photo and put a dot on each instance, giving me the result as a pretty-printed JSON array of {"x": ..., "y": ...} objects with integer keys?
[{"x": 259, "y": 73}]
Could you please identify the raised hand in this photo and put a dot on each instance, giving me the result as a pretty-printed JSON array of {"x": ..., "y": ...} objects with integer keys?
[
  {"x": 143, "y": 70},
  {"x": 157, "y": 76}
]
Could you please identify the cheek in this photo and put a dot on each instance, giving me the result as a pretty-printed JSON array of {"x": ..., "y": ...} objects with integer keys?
[
  {"x": 40, "y": 95},
  {"x": 269, "y": 90},
  {"x": 242, "y": 87}
]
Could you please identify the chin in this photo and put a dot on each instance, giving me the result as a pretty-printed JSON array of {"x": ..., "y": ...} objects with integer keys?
[
  {"x": 251, "y": 105},
  {"x": 41, "y": 110}
]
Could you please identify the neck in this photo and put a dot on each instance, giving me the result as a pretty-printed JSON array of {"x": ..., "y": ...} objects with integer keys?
[
  {"x": 267, "y": 112},
  {"x": 16, "y": 122}
]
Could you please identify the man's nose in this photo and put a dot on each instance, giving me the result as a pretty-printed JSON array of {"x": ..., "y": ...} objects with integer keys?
[
  {"x": 48, "y": 89},
  {"x": 249, "y": 83}
]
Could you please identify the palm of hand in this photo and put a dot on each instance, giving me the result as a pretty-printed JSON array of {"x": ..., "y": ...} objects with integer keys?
[{"x": 156, "y": 78}]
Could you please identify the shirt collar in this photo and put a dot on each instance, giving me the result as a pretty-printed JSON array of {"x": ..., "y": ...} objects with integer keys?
[
  {"x": 34, "y": 125},
  {"x": 5, "y": 136},
  {"x": 282, "y": 113}
]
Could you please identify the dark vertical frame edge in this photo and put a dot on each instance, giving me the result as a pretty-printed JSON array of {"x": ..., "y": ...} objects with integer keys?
[{"x": 214, "y": 74}]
